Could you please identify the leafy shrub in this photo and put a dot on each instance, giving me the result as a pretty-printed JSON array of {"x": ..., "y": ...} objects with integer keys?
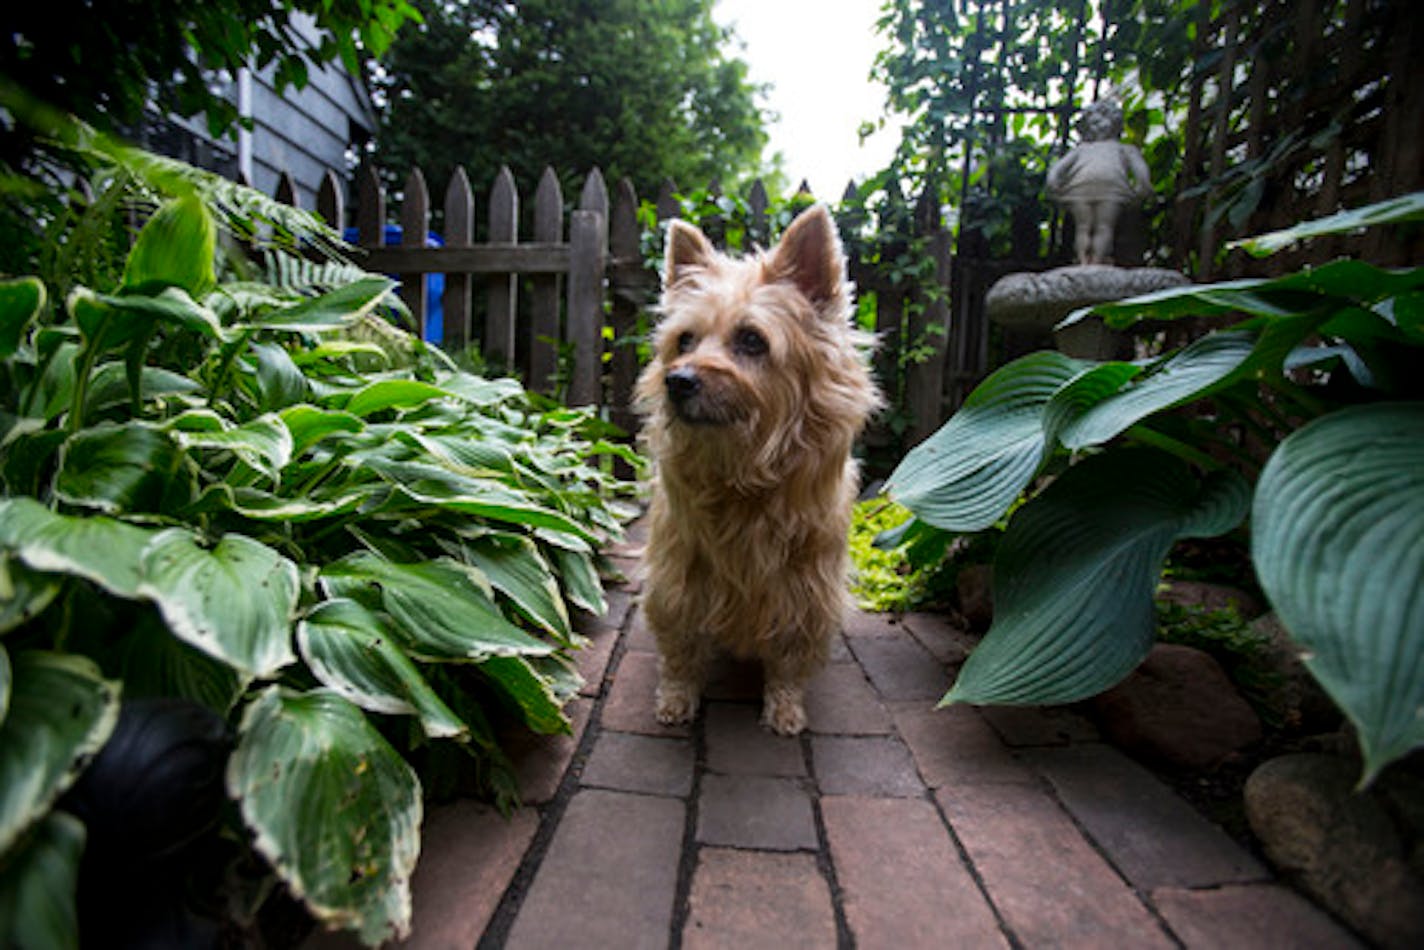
[
  {"x": 258, "y": 496},
  {"x": 1316, "y": 373}
]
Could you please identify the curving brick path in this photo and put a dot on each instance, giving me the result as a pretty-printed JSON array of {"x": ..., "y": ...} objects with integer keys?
[{"x": 888, "y": 824}]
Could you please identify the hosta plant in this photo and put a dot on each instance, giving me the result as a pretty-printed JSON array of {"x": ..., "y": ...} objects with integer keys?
[
  {"x": 225, "y": 490},
  {"x": 1302, "y": 410}
]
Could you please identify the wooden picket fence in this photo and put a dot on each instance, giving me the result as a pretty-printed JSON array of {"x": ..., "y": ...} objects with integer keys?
[{"x": 578, "y": 282}]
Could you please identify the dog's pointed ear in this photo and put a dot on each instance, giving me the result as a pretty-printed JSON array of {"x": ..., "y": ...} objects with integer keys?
[
  {"x": 810, "y": 256},
  {"x": 687, "y": 248}
]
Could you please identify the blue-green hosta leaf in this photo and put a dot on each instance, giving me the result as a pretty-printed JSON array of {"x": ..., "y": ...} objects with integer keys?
[
  {"x": 1404, "y": 208},
  {"x": 442, "y": 609},
  {"x": 1076, "y": 572},
  {"x": 334, "y": 809},
  {"x": 174, "y": 249},
  {"x": 337, "y": 308},
  {"x": 115, "y": 468},
  {"x": 98, "y": 549},
  {"x": 1082, "y": 418},
  {"x": 38, "y": 884},
  {"x": 309, "y": 425},
  {"x": 966, "y": 475},
  {"x": 514, "y": 567},
  {"x": 532, "y": 692},
  {"x": 1338, "y": 542},
  {"x": 234, "y": 602},
  {"x": 24, "y": 593},
  {"x": 21, "y": 300},
  {"x": 62, "y": 711},
  {"x": 263, "y": 443},
  {"x": 350, "y": 650}
]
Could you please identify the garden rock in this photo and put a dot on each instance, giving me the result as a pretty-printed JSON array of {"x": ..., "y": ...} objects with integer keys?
[
  {"x": 1179, "y": 708},
  {"x": 975, "y": 586},
  {"x": 1339, "y": 845},
  {"x": 1208, "y": 596},
  {"x": 1301, "y": 702}
]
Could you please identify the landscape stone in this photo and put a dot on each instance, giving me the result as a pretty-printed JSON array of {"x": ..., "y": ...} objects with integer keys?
[
  {"x": 1209, "y": 596},
  {"x": 1030, "y": 726},
  {"x": 975, "y": 586},
  {"x": 1299, "y": 699},
  {"x": 1179, "y": 708},
  {"x": 1339, "y": 845}
]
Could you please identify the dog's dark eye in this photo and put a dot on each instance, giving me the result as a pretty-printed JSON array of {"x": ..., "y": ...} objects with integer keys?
[
  {"x": 686, "y": 342},
  {"x": 749, "y": 342}
]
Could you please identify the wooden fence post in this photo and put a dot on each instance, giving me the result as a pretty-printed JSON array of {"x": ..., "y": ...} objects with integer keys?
[
  {"x": 502, "y": 293},
  {"x": 287, "y": 190},
  {"x": 585, "y": 329},
  {"x": 370, "y": 208},
  {"x": 544, "y": 337},
  {"x": 459, "y": 232},
  {"x": 331, "y": 201},
  {"x": 758, "y": 229},
  {"x": 415, "y": 222},
  {"x": 630, "y": 291},
  {"x": 928, "y": 326}
]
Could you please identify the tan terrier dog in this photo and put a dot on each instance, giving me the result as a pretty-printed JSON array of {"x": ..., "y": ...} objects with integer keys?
[{"x": 757, "y": 388}]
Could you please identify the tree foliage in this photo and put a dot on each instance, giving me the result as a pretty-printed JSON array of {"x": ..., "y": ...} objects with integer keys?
[{"x": 641, "y": 89}]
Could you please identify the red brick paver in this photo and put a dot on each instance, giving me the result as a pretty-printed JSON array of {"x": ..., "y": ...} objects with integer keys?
[{"x": 751, "y": 900}]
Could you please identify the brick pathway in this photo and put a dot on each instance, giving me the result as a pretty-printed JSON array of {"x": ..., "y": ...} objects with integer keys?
[{"x": 888, "y": 824}]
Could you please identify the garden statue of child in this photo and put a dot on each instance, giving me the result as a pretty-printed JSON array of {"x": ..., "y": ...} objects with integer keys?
[{"x": 1096, "y": 179}]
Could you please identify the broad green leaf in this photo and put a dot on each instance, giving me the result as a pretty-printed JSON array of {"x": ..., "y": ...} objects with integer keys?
[
  {"x": 174, "y": 249},
  {"x": 234, "y": 602},
  {"x": 309, "y": 425},
  {"x": 441, "y": 608},
  {"x": 333, "y": 808},
  {"x": 1392, "y": 211},
  {"x": 579, "y": 575},
  {"x": 7, "y": 681},
  {"x": 531, "y": 692},
  {"x": 351, "y": 651},
  {"x": 98, "y": 549},
  {"x": 154, "y": 662},
  {"x": 392, "y": 394},
  {"x": 966, "y": 475},
  {"x": 479, "y": 391},
  {"x": 123, "y": 319},
  {"x": 279, "y": 382},
  {"x": 115, "y": 468},
  {"x": 1338, "y": 544},
  {"x": 1076, "y": 571},
  {"x": 515, "y": 568},
  {"x": 24, "y": 592},
  {"x": 464, "y": 453},
  {"x": 337, "y": 308},
  {"x": 443, "y": 488},
  {"x": 38, "y": 884},
  {"x": 21, "y": 300},
  {"x": 110, "y": 385},
  {"x": 1081, "y": 419},
  {"x": 62, "y": 711},
  {"x": 264, "y": 506},
  {"x": 264, "y": 443}
]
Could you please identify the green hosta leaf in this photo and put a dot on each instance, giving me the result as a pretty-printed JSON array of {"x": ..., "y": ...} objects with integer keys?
[
  {"x": 1338, "y": 542},
  {"x": 38, "y": 884},
  {"x": 279, "y": 382},
  {"x": 156, "y": 663},
  {"x": 110, "y": 385},
  {"x": 579, "y": 574},
  {"x": 441, "y": 608},
  {"x": 21, "y": 300},
  {"x": 24, "y": 593},
  {"x": 7, "y": 682},
  {"x": 264, "y": 506},
  {"x": 264, "y": 443},
  {"x": 1076, "y": 572},
  {"x": 122, "y": 319},
  {"x": 337, "y": 308},
  {"x": 174, "y": 249},
  {"x": 235, "y": 602},
  {"x": 438, "y": 486},
  {"x": 62, "y": 711},
  {"x": 351, "y": 651},
  {"x": 966, "y": 475},
  {"x": 1404, "y": 208},
  {"x": 309, "y": 425},
  {"x": 117, "y": 468},
  {"x": 464, "y": 453},
  {"x": 515, "y": 568},
  {"x": 479, "y": 391},
  {"x": 102, "y": 550},
  {"x": 392, "y": 394},
  {"x": 333, "y": 807},
  {"x": 532, "y": 693},
  {"x": 1081, "y": 419}
]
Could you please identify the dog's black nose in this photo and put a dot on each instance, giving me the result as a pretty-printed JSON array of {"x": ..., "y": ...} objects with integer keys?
[{"x": 682, "y": 384}]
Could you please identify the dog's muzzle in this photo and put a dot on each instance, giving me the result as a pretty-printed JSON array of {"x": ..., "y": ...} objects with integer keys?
[{"x": 682, "y": 384}]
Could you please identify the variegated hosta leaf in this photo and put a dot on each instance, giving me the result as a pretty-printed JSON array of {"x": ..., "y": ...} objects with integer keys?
[
  {"x": 337, "y": 308},
  {"x": 1338, "y": 543},
  {"x": 263, "y": 443},
  {"x": 175, "y": 249},
  {"x": 441, "y": 609},
  {"x": 62, "y": 711},
  {"x": 333, "y": 808},
  {"x": 580, "y": 578},
  {"x": 103, "y": 550},
  {"x": 38, "y": 883},
  {"x": 117, "y": 467},
  {"x": 1076, "y": 572},
  {"x": 533, "y": 692},
  {"x": 966, "y": 475},
  {"x": 514, "y": 567},
  {"x": 235, "y": 602},
  {"x": 351, "y": 651},
  {"x": 24, "y": 592},
  {"x": 309, "y": 425},
  {"x": 21, "y": 300}
]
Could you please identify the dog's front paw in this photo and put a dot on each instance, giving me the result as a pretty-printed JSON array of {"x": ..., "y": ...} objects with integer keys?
[
  {"x": 783, "y": 711},
  {"x": 677, "y": 703}
]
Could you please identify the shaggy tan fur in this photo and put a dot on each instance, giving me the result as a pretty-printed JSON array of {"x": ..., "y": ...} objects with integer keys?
[{"x": 757, "y": 388}]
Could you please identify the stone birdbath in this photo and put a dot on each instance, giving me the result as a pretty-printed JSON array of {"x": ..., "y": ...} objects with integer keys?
[{"x": 1095, "y": 182}]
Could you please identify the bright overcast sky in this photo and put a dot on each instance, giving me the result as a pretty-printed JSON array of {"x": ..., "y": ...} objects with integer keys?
[{"x": 817, "y": 57}]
